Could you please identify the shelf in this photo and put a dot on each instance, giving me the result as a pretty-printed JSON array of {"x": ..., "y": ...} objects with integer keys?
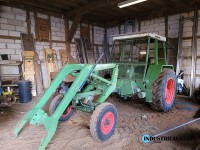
[
  {"x": 11, "y": 85},
  {"x": 10, "y": 63},
  {"x": 10, "y": 75}
]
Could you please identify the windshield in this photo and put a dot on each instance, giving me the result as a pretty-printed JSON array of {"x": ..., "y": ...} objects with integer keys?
[{"x": 129, "y": 50}]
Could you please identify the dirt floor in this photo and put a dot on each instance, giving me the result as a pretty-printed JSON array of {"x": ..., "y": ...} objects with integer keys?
[{"x": 135, "y": 119}]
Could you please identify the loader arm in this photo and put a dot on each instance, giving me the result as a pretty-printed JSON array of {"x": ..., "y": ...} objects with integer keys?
[{"x": 37, "y": 116}]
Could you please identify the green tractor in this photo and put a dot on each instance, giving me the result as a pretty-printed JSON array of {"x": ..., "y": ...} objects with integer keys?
[
  {"x": 137, "y": 68},
  {"x": 143, "y": 69}
]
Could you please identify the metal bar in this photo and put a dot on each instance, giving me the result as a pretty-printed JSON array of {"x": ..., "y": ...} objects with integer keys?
[
  {"x": 112, "y": 87},
  {"x": 101, "y": 79},
  {"x": 156, "y": 51},
  {"x": 169, "y": 130},
  {"x": 93, "y": 67},
  {"x": 86, "y": 94},
  {"x": 104, "y": 67},
  {"x": 164, "y": 48},
  {"x": 147, "y": 58}
]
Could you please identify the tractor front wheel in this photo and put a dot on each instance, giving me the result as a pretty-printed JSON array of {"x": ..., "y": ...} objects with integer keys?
[
  {"x": 67, "y": 114},
  {"x": 164, "y": 91},
  {"x": 103, "y": 122}
]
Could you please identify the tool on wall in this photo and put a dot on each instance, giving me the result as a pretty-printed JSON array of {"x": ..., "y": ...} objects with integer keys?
[
  {"x": 84, "y": 50},
  {"x": 127, "y": 24}
]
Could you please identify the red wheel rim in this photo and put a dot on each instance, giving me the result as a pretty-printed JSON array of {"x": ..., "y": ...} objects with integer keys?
[
  {"x": 169, "y": 91},
  {"x": 67, "y": 111},
  {"x": 107, "y": 122}
]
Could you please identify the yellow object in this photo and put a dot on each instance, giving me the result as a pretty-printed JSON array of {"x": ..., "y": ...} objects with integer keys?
[{"x": 7, "y": 93}]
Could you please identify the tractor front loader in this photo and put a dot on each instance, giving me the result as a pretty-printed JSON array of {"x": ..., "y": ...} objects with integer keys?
[
  {"x": 137, "y": 68},
  {"x": 78, "y": 98}
]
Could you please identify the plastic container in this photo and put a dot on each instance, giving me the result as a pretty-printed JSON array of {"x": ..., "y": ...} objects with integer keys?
[{"x": 25, "y": 91}]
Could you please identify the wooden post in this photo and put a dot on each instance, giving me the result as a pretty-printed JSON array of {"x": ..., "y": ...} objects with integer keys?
[
  {"x": 93, "y": 36},
  {"x": 36, "y": 25},
  {"x": 119, "y": 28},
  {"x": 74, "y": 26},
  {"x": 68, "y": 47},
  {"x": 50, "y": 34},
  {"x": 28, "y": 21},
  {"x": 139, "y": 24},
  {"x": 166, "y": 26}
]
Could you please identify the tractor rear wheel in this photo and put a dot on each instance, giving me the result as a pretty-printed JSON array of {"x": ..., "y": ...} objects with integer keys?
[
  {"x": 164, "y": 91},
  {"x": 103, "y": 122},
  {"x": 67, "y": 114}
]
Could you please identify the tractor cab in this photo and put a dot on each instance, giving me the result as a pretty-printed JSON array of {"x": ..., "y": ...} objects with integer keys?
[
  {"x": 134, "y": 54},
  {"x": 140, "y": 58}
]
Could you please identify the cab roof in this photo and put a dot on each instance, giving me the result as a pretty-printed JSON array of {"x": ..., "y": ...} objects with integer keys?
[{"x": 153, "y": 35}]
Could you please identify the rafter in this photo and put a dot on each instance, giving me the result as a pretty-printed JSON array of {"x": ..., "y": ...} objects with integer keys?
[{"x": 87, "y": 8}]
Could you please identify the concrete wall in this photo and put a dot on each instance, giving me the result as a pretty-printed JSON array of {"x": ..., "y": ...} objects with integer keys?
[{"x": 13, "y": 22}]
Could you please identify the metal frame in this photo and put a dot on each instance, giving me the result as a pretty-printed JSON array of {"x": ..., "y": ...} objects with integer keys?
[
  {"x": 152, "y": 35},
  {"x": 103, "y": 87}
]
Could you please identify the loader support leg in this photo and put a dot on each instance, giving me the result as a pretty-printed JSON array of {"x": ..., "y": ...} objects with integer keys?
[
  {"x": 19, "y": 126},
  {"x": 111, "y": 87}
]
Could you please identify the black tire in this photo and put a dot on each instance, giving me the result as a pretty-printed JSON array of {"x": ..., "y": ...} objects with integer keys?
[
  {"x": 68, "y": 113},
  {"x": 103, "y": 122},
  {"x": 164, "y": 91}
]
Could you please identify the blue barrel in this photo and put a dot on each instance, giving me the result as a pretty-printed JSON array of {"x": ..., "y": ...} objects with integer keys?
[{"x": 25, "y": 91}]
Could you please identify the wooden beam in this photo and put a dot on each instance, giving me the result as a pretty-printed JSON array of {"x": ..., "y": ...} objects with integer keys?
[
  {"x": 119, "y": 29},
  {"x": 87, "y": 8},
  {"x": 139, "y": 24},
  {"x": 36, "y": 25},
  {"x": 166, "y": 26},
  {"x": 93, "y": 37},
  {"x": 50, "y": 33},
  {"x": 68, "y": 43},
  {"x": 28, "y": 21},
  {"x": 74, "y": 26}
]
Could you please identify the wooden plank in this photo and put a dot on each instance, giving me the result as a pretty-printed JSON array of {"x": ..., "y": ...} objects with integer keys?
[
  {"x": 43, "y": 29},
  {"x": 166, "y": 26},
  {"x": 28, "y": 53},
  {"x": 85, "y": 31},
  {"x": 29, "y": 69},
  {"x": 27, "y": 42},
  {"x": 28, "y": 21},
  {"x": 68, "y": 43},
  {"x": 66, "y": 58},
  {"x": 93, "y": 37},
  {"x": 38, "y": 76},
  {"x": 36, "y": 25},
  {"x": 51, "y": 62},
  {"x": 50, "y": 34}
]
